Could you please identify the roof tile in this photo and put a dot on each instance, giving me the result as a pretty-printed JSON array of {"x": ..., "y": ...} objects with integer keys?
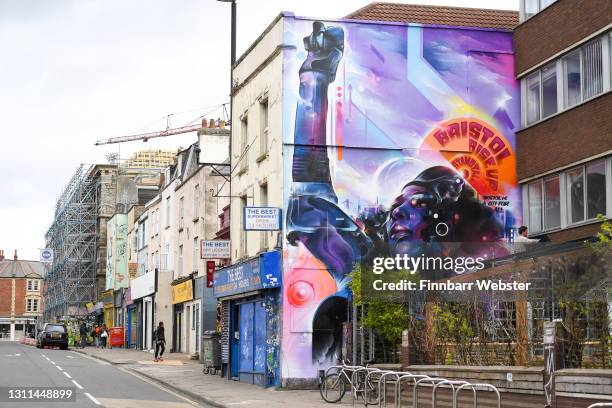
[{"x": 438, "y": 15}]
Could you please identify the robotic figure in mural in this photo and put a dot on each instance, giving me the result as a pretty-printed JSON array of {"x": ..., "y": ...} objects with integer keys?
[{"x": 435, "y": 208}]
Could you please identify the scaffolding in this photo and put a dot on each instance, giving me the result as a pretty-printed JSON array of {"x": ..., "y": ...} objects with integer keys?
[{"x": 70, "y": 280}]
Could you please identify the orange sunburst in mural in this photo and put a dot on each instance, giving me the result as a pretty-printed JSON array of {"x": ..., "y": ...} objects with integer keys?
[{"x": 478, "y": 151}]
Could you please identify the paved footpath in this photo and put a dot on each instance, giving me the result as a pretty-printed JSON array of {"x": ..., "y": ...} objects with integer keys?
[{"x": 185, "y": 377}]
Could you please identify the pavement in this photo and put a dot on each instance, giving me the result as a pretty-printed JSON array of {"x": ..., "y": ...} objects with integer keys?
[
  {"x": 184, "y": 376},
  {"x": 95, "y": 383}
]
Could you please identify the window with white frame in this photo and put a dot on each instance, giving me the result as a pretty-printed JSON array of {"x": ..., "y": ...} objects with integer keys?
[
  {"x": 167, "y": 211},
  {"x": 165, "y": 254},
  {"x": 244, "y": 143},
  {"x": 533, "y": 7},
  {"x": 32, "y": 305},
  {"x": 33, "y": 285},
  {"x": 180, "y": 265},
  {"x": 571, "y": 197},
  {"x": 181, "y": 212},
  {"x": 263, "y": 137},
  {"x": 195, "y": 254},
  {"x": 196, "y": 202},
  {"x": 574, "y": 78}
]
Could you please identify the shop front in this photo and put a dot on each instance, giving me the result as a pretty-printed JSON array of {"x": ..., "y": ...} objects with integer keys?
[
  {"x": 108, "y": 299},
  {"x": 131, "y": 320},
  {"x": 249, "y": 293},
  {"x": 182, "y": 297},
  {"x": 142, "y": 293}
]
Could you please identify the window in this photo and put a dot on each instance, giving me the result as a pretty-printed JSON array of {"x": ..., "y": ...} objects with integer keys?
[
  {"x": 596, "y": 189},
  {"x": 575, "y": 195},
  {"x": 549, "y": 90},
  {"x": 570, "y": 197},
  {"x": 533, "y": 97},
  {"x": 535, "y": 206},
  {"x": 244, "y": 143},
  {"x": 263, "y": 137},
  {"x": 32, "y": 305},
  {"x": 33, "y": 285},
  {"x": 164, "y": 257},
  {"x": 552, "y": 203},
  {"x": 243, "y": 235},
  {"x": 592, "y": 68},
  {"x": 196, "y": 202},
  {"x": 195, "y": 254},
  {"x": 180, "y": 266},
  {"x": 571, "y": 71},
  {"x": 263, "y": 199},
  {"x": 568, "y": 81},
  {"x": 181, "y": 213},
  {"x": 533, "y": 7},
  {"x": 167, "y": 211}
]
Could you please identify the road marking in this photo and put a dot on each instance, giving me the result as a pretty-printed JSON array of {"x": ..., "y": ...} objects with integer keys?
[
  {"x": 78, "y": 385},
  {"x": 59, "y": 368},
  {"x": 95, "y": 401},
  {"x": 12, "y": 355},
  {"x": 70, "y": 357},
  {"x": 66, "y": 374},
  {"x": 52, "y": 362},
  {"x": 43, "y": 355}
]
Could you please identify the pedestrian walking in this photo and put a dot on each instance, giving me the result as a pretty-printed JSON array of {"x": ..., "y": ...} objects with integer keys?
[
  {"x": 83, "y": 334},
  {"x": 96, "y": 335},
  {"x": 160, "y": 342},
  {"x": 103, "y": 336}
]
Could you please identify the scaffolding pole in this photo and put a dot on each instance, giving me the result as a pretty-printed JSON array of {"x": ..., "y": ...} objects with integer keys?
[{"x": 70, "y": 280}]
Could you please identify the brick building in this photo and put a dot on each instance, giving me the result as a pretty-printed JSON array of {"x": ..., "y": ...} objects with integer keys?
[
  {"x": 564, "y": 145},
  {"x": 21, "y": 304}
]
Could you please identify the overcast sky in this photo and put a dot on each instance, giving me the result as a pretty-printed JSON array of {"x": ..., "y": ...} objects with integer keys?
[{"x": 73, "y": 72}]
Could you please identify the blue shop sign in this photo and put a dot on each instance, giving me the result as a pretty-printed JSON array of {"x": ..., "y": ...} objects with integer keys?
[{"x": 261, "y": 272}]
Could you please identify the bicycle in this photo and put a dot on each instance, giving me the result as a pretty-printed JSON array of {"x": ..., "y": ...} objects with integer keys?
[{"x": 333, "y": 386}]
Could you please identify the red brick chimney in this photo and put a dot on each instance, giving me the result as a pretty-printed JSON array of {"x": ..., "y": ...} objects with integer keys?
[
  {"x": 1, "y": 254},
  {"x": 15, "y": 256}
]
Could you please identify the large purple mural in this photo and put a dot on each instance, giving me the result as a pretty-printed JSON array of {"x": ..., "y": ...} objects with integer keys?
[{"x": 396, "y": 138}]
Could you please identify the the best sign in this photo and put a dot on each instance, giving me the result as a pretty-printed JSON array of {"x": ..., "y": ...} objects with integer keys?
[
  {"x": 218, "y": 249},
  {"x": 262, "y": 219}
]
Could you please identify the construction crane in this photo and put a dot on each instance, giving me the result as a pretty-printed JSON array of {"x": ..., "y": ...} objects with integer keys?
[
  {"x": 169, "y": 131},
  {"x": 150, "y": 135}
]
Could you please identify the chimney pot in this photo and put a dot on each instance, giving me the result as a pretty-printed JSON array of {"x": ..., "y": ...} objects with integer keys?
[
  {"x": 1, "y": 254},
  {"x": 15, "y": 256}
]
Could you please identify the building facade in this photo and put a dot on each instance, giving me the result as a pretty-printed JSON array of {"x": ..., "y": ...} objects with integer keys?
[
  {"x": 564, "y": 145},
  {"x": 21, "y": 297},
  {"x": 380, "y": 138}
]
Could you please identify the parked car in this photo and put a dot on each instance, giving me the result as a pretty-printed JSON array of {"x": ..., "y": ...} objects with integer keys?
[{"x": 53, "y": 334}]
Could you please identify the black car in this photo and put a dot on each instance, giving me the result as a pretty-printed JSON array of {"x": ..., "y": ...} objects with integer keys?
[{"x": 53, "y": 334}]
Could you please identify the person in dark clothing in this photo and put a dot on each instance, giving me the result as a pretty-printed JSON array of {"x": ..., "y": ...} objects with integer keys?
[
  {"x": 160, "y": 342},
  {"x": 83, "y": 334}
]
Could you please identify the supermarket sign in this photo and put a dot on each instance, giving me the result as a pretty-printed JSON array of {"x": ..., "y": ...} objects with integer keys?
[
  {"x": 262, "y": 219},
  {"x": 216, "y": 249}
]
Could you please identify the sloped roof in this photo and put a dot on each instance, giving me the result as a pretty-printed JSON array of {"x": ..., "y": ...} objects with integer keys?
[
  {"x": 437, "y": 15},
  {"x": 20, "y": 269}
]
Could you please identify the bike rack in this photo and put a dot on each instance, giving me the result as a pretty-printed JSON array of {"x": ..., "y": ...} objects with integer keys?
[
  {"x": 415, "y": 389},
  {"x": 383, "y": 380},
  {"x": 398, "y": 386},
  {"x": 475, "y": 388},
  {"x": 353, "y": 378},
  {"x": 368, "y": 375},
  {"x": 600, "y": 404},
  {"x": 450, "y": 383}
]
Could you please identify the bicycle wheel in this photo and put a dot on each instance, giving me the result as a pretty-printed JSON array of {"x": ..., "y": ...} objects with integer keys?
[
  {"x": 372, "y": 392},
  {"x": 332, "y": 388}
]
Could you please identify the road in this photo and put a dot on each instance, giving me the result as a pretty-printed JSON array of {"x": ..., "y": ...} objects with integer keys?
[{"x": 97, "y": 384}]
